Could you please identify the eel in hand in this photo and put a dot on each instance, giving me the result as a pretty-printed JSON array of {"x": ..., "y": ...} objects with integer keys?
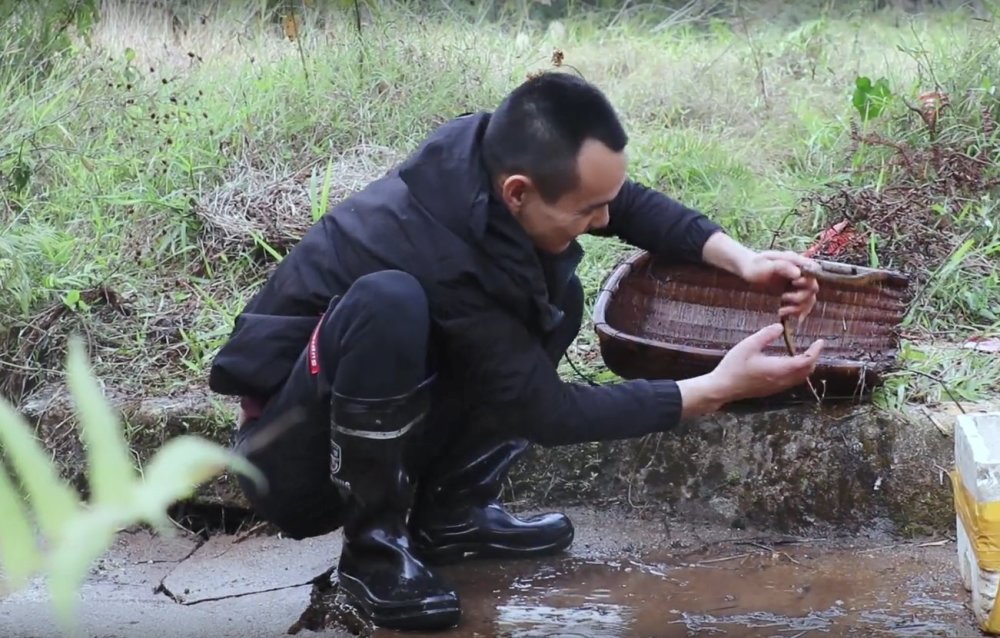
[{"x": 832, "y": 272}]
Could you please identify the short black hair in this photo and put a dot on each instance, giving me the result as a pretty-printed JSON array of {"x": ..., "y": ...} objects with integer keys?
[{"x": 538, "y": 129}]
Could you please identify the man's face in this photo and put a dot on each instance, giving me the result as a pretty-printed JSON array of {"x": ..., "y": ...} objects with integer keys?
[{"x": 553, "y": 227}]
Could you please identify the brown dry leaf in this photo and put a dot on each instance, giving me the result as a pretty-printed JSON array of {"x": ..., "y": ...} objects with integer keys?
[
  {"x": 932, "y": 103},
  {"x": 557, "y": 57},
  {"x": 290, "y": 23}
]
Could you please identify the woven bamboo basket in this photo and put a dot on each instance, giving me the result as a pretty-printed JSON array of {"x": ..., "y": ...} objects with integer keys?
[{"x": 661, "y": 320}]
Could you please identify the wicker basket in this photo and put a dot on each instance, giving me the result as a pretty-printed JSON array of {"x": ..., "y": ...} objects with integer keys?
[{"x": 657, "y": 319}]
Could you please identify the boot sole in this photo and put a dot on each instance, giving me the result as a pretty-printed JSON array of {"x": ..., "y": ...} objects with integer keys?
[
  {"x": 457, "y": 552},
  {"x": 427, "y": 615}
]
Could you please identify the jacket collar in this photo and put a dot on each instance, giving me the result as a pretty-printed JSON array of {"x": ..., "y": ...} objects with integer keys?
[{"x": 447, "y": 177}]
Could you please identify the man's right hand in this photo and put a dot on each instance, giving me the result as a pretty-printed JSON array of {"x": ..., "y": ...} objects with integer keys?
[{"x": 746, "y": 372}]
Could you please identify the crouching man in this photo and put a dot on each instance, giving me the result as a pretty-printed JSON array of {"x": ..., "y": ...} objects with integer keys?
[{"x": 403, "y": 355}]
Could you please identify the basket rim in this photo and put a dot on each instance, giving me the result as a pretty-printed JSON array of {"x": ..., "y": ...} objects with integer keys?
[{"x": 606, "y": 331}]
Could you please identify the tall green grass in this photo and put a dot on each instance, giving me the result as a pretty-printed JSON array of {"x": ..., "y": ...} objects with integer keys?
[{"x": 108, "y": 162}]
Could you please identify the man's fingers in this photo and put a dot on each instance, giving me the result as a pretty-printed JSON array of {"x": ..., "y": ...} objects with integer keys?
[
  {"x": 796, "y": 297},
  {"x": 763, "y": 337},
  {"x": 788, "y": 270},
  {"x": 806, "y": 283},
  {"x": 813, "y": 352},
  {"x": 794, "y": 257}
]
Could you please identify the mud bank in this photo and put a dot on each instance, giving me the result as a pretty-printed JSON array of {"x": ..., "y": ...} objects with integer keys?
[
  {"x": 148, "y": 422},
  {"x": 622, "y": 577},
  {"x": 787, "y": 469}
]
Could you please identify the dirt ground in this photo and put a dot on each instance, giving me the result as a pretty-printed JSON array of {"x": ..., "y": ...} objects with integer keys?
[{"x": 622, "y": 577}]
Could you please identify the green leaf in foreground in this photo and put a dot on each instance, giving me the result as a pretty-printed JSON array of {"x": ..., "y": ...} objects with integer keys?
[
  {"x": 108, "y": 460},
  {"x": 18, "y": 553},
  {"x": 54, "y": 502},
  {"x": 75, "y": 535},
  {"x": 178, "y": 468}
]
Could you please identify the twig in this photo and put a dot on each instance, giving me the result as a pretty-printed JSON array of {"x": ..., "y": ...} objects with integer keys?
[
  {"x": 944, "y": 387},
  {"x": 786, "y": 555},
  {"x": 940, "y": 543},
  {"x": 930, "y": 417},
  {"x": 756, "y": 59},
  {"x": 875, "y": 139},
  {"x": 756, "y": 544},
  {"x": 247, "y": 534},
  {"x": 361, "y": 40},
  {"x": 777, "y": 230},
  {"x": 181, "y": 527},
  {"x": 880, "y": 548},
  {"x": 723, "y": 559}
]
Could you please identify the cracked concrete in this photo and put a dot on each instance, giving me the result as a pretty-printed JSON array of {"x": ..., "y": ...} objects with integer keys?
[
  {"x": 221, "y": 569},
  {"x": 154, "y": 586}
]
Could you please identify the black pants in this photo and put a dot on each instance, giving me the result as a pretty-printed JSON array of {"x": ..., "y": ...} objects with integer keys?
[{"x": 373, "y": 342}]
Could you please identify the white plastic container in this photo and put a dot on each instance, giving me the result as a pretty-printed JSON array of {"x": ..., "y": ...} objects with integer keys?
[{"x": 976, "y": 484}]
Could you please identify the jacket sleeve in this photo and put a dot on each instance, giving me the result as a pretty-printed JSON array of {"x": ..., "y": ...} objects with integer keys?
[
  {"x": 270, "y": 333},
  {"x": 652, "y": 221},
  {"x": 509, "y": 376}
]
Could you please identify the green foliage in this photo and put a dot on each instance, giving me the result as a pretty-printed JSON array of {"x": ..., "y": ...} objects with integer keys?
[
  {"x": 74, "y": 534},
  {"x": 870, "y": 100},
  {"x": 111, "y": 162},
  {"x": 36, "y": 33},
  {"x": 939, "y": 374}
]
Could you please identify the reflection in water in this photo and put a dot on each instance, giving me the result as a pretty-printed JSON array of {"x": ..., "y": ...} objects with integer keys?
[
  {"x": 814, "y": 621},
  {"x": 529, "y": 619},
  {"x": 788, "y": 594}
]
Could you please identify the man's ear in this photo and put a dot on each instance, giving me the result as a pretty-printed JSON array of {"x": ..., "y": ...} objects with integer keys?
[{"x": 513, "y": 190}]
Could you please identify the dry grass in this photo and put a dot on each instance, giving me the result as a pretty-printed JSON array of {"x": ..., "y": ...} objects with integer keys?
[{"x": 255, "y": 208}]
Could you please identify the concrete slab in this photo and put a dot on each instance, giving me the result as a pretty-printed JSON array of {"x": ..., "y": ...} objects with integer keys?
[
  {"x": 223, "y": 567},
  {"x": 266, "y": 615}
]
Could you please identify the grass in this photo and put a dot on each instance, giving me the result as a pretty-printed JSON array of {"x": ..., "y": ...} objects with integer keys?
[{"x": 151, "y": 178}]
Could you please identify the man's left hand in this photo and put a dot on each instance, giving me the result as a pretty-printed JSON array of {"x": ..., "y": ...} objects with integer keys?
[{"x": 779, "y": 271}]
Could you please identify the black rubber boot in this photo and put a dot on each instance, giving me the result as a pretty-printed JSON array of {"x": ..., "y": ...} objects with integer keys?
[
  {"x": 378, "y": 570},
  {"x": 459, "y": 514}
]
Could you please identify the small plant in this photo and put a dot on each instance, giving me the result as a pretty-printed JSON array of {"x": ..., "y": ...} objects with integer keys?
[
  {"x": 75, "y": 534},
  {"x": 870, "y": 99},
  {"x": 320, "y": 202}
]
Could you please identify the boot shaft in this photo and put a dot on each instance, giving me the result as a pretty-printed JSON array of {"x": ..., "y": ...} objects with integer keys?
[{"x": 370, "y": 443}]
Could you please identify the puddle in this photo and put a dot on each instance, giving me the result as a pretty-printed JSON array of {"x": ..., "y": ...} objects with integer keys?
[
  {"x": 624, "y": 577},
  {"x": 792, "y": 593}
]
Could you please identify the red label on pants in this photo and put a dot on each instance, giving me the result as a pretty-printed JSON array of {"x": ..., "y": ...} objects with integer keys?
[{"x": 313, "y": 353}]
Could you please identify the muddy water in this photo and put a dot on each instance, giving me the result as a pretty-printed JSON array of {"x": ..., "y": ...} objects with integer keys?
[
  {"x": 789, "y": 592},
  {"x": 624, "y": 576}
]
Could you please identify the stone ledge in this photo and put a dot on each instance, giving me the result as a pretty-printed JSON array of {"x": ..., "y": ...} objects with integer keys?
[{"x": 788, "y": 469}]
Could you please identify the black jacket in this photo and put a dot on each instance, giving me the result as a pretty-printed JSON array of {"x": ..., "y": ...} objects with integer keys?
[{"x": 434, "y": 217}]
